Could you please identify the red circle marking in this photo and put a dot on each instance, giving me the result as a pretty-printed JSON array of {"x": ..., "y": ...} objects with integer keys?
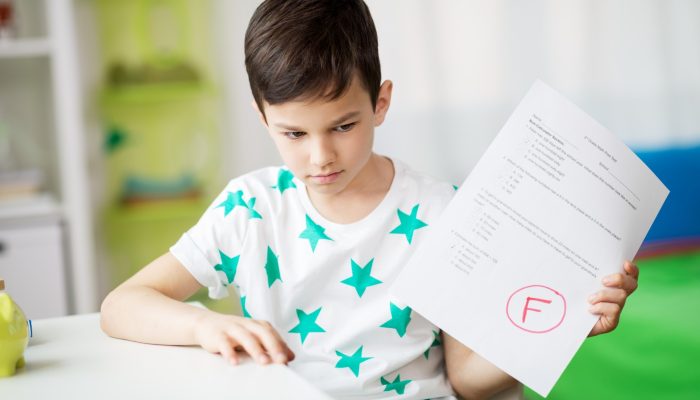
[{"x": 529, "y": 330}]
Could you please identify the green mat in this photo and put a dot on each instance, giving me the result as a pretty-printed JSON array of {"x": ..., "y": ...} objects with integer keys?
[{"x": 655, "y": 351}]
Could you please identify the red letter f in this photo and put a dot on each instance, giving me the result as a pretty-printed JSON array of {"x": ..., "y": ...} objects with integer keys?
[{"x": 527, "y": 305}]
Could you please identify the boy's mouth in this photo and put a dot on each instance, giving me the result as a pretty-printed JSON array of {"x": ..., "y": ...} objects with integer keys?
[{"x": 326, "y": 178}]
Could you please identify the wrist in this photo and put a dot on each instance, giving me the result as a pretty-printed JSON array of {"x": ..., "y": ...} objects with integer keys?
[{"x": 200, "y": 320}]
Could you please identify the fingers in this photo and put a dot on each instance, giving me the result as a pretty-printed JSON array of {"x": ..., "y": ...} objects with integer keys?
[
  {"x": 609, "y": 302},
  {"x": 617, "y": 280},
  {"x": 261, "y": 341},
  {"x": 609, "y": 314},
  {"x": 621, "y": 281},
  {"x": 617, "y": 296},
  {"x": 632, "y": 269},
  {"x": 226, "y": 350},
  {"x": 272, "y": 342},
  {"x": 250, "y": 343},
  {"x": 225, "y": 334}
]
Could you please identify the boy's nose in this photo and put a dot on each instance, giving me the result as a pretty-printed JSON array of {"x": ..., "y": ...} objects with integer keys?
[{"x": 322, "y": 151}]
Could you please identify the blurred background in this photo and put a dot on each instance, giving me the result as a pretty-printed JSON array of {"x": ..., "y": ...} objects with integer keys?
[{"x": 121, "y": 119}]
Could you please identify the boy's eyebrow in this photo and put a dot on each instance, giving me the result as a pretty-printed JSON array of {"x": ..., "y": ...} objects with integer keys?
[
  {"x": 335, "y": 122},
  {"x": 351, "y": 114}
]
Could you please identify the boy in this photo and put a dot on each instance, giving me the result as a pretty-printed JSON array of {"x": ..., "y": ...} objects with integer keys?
[{"x": 313, "y": 246}]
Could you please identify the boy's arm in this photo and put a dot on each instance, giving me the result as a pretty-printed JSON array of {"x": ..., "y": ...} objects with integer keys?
[
  {"x": 148, "y": 308},
  {"x": 470, "y": 375}
]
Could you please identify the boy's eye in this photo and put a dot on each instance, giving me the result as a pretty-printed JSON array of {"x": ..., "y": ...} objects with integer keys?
[
  {"x": 293, "y": 135},
  {"x": 346, "y": 127}
]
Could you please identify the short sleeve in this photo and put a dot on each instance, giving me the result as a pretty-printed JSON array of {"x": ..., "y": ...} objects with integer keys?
[{"x": 211, "y": 249}]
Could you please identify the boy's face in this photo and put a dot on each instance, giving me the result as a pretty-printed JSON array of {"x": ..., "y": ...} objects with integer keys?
[{"x": 327, "y": 144}]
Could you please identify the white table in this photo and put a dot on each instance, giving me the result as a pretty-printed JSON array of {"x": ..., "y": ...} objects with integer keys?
[{"x": 71, "y": 358}]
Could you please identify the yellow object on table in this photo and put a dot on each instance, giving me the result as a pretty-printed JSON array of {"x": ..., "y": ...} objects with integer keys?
[{"x": 14, "y": 334}]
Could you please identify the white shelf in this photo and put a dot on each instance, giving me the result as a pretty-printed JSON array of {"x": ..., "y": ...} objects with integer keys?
[
  {"x": 21, "y": 48},
  {"x": 41, "y": 205}
]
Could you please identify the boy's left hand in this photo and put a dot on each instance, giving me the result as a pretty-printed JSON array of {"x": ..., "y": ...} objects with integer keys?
[{"x": 608, "y": 302}]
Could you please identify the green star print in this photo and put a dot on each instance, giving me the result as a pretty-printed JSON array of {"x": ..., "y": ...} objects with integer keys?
[
  {"x": 251, "y": 209},
  {"x": 285, "y": 180},
  {"x": 353, "y": 362},
  {"x": 243, "y": 309},
  {"x": 361, "y": 277},
  {"x": 409, "y": 223},
  {"x": 307, "y": 324},
  {"x": 313, "y": 233},
  {"x": 400, "y": 317},
  {"x": 436, "y": 343},
  {"x": 398, "y": 385},
  {"x": 228, "y": 266},
  {"x": 272, "y": 267},
  {"x": 234, "y": 200}
]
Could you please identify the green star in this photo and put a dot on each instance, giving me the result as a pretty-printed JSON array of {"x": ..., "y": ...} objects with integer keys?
[
  {"x": 307, "y": 324},
  {"x": 455, "y": 187},
  {"x": 272, "y": 267},
  {"x": 353, "y": 362},
  {"x": 285, "y": 180},
  {"x": 232, "y": 201},
  {"x": 245, "y": 310},
  {"x": 436, "y": 343},
  {"x": 398, "y": 385},
  {"x": 400, "y": 317},
  {"x": 313, "y": 233},
  {"x": 228, "y": 266},
  {"x": 409, "y": 223},
  {"x": 361, "y": 277},
  {"x": 251, "y": 209}
]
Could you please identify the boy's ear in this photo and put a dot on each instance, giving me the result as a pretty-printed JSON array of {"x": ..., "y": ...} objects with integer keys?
[
  {"x": 260, "y": 114},
  {"x": 383, "y": 102}
]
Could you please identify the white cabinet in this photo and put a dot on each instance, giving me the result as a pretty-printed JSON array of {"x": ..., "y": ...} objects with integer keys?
[
  {"x": 32, "y": 265},
  {"x": 33, "y": 257}
]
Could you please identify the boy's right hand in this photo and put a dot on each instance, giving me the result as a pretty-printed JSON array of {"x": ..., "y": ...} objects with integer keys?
[{"x": 224, "y": 334}]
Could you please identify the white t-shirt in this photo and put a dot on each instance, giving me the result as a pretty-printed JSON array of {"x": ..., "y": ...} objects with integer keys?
[{"x": 324, "y": 286}]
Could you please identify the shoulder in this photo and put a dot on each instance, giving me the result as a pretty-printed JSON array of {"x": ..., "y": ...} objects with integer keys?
[
  {"x": 256, "y": 193},
  {"x": 427, "y": 188}
]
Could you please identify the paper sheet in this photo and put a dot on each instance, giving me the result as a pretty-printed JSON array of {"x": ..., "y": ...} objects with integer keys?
[{"x": 555, "y": 204}]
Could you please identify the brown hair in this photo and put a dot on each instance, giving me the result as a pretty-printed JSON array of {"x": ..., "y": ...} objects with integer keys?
[{"x": 297, "y": 49}]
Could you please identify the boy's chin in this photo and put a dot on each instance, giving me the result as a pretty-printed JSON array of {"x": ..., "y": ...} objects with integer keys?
[
  {"x": 330, "y": 188},
  {"x": 325, "y": 189}
]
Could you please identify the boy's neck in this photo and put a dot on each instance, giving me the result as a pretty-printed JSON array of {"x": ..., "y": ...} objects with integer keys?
[{"x": 361, "y": 196}]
